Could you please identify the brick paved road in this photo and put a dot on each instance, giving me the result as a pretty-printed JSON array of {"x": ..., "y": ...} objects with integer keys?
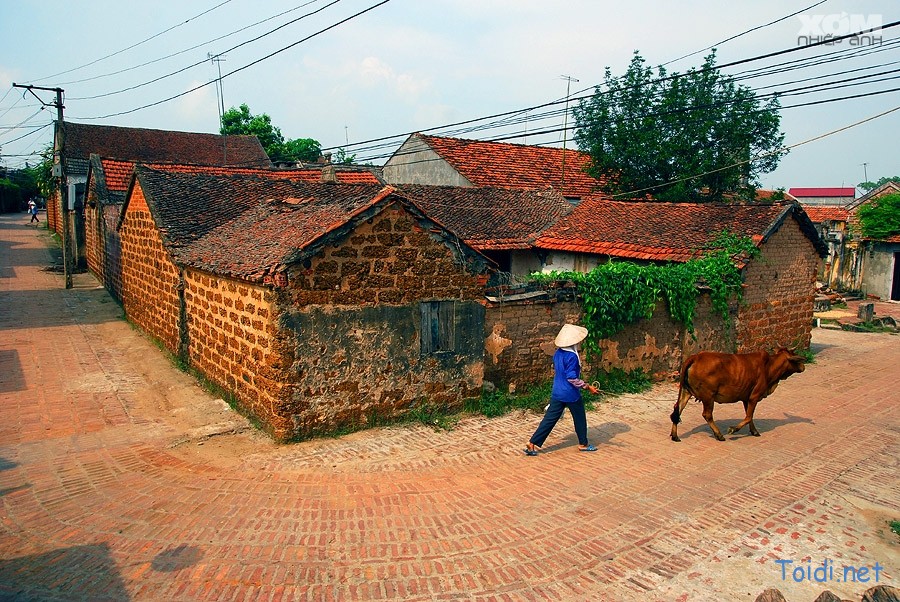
[{"x": 110, "y": 488}]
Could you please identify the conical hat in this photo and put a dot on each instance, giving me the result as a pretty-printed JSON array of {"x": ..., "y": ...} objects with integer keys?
[{"x": 570, "y": 334}]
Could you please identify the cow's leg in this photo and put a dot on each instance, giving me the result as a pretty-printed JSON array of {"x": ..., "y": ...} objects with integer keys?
[
  {"x": 742, "y": 423},
  {"x": 683, "y": 396},
  {"x": 708, "y": 415},
  {"x": 750, "y": 411},
  {"x": 749, "y": 408}
]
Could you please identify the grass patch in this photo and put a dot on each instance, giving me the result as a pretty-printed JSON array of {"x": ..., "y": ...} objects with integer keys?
[
  {"x": 807, "y": 354},
  {"x": 497, "y": 402},
  {"x": 895, "y": 527},
  {"x": 618, "y": 382}
]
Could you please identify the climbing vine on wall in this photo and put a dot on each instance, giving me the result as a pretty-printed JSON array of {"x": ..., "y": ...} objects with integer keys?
[{"x": 618, "y": 293}]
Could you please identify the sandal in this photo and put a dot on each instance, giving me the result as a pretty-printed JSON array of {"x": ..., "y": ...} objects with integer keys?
[
  {"x": 530, "y": 450},
  {"x": 587, "y": 448}
]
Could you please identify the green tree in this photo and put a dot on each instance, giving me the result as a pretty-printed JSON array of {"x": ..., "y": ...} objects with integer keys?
[
  {"x": 688, "y": 137},
  {"x": 880, "y": 217},
  {"x": 867, "y": 186},
  {"x": 302, "y": 149},
  {"x": 240, "y": 121}
]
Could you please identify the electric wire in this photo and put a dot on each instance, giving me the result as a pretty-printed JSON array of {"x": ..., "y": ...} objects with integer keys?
[
  {"x": 196, "y": 46},
  {"x": 103, "y": 58},
  {"x": 191, "y": 66},
  {"x": 248, "y": 65}
]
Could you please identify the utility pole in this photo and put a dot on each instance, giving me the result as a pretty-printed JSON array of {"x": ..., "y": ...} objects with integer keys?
[
  {"x": 865, "y": 172},
  {"x": 569, "y": 79},
  {"x": 220, "y": 90},
  {"x": 59, "y": 160}
]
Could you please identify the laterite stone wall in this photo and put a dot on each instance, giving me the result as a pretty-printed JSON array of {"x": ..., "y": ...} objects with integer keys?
[
  {"x": 519, "y": 341},
  {"x": 777, "y": 310},
  {"x": 234, "y": 340},
  {"x": 150, "y": 280},
  {"x": 355, "y": 320}
]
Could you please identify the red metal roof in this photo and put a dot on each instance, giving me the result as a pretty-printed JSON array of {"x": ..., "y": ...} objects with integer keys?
[
  {"x": 822, "y": 192},
  {"x": 504, "y": 165}
]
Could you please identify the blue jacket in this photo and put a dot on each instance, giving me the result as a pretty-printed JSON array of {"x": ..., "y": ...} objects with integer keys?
[{"x": 566, "y": 366}]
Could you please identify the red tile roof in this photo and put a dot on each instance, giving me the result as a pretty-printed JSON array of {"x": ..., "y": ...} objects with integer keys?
[
  {"x": 493, "y": 219},
  {"x": 801, "y": 193},
  {"x": 647, "y": 230},
  {"x": 504, "y": 165},
  {"x": 147, "y": 146},
  {"x": 118, "y": 173},
  {"x": 821, "y": 213}
]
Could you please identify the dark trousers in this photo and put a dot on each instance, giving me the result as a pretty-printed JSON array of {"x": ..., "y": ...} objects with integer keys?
[{"x": 552, "y": 416}]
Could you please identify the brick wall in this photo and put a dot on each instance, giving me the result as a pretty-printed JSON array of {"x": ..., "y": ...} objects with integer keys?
[
  {"x": 93, "y": 234},
  {"x": 519, "y": 341},
  {"x": 150, "y": 280},
  {"x": 234, "y": 340},
  {"x": 112, "y": 250},
  {"x": 54, "y": 210},
  {"x": 777, "y": 310}
]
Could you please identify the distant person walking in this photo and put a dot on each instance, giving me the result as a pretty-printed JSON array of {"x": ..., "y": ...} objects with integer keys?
[
  {"x": 33, "y": 210},
  {"x": 566, "y": 392}
]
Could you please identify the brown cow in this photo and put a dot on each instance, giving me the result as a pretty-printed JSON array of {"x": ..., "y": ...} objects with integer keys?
[{"x": 727, "y": 377}]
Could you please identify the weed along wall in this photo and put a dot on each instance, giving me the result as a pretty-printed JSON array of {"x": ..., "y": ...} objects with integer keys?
[
  {"x": 519, "y": 340},
  {"x": 777, "y": 310}
]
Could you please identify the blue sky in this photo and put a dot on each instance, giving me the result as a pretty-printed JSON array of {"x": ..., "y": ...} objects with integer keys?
[{"x": 412, "y": 65}]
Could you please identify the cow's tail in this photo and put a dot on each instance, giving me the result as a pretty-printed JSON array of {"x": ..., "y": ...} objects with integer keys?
[{"x": 682, "y": 387}]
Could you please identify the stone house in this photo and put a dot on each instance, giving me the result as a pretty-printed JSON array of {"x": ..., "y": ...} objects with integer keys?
[
  {"x": 877, "y": 260},
  {"x": 107, "y": 182},
  {"x": 315, "y": 306},
  {"x": 75, "y": 142},
  {"x": 779, "y": 284}
]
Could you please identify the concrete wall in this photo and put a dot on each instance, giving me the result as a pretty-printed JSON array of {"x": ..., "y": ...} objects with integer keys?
[
  {"x": 878, "y": 268},
  {"x": 777, "y": 309},
  {"x": 415, "y": 163}
]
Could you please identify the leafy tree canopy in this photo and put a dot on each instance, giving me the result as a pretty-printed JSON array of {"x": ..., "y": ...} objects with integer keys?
[
  {"x": 687, "y": 137},
  {"x": 238, "y": 121},
  {"x": 867, "y": 186},
  {"x": 880, "y": 217}
]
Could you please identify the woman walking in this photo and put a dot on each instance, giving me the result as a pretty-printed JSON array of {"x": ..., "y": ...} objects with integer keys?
[{"x": 566, "y": 392}]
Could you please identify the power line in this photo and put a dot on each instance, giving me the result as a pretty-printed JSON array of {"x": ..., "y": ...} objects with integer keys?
[
  {"x": 103, "y": 58},
  {"x": 192, "y": 65},
  {"x": 248, "y": 65},
  {"x": 781, "y": 150},
  {"x": 657, "y": 80},
  {"x": 200, "y": 45}
]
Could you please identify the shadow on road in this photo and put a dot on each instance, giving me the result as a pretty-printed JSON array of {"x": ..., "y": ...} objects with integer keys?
[
  {"x": 763, "y": 425},
  {"x": 76, "y": 573}
]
